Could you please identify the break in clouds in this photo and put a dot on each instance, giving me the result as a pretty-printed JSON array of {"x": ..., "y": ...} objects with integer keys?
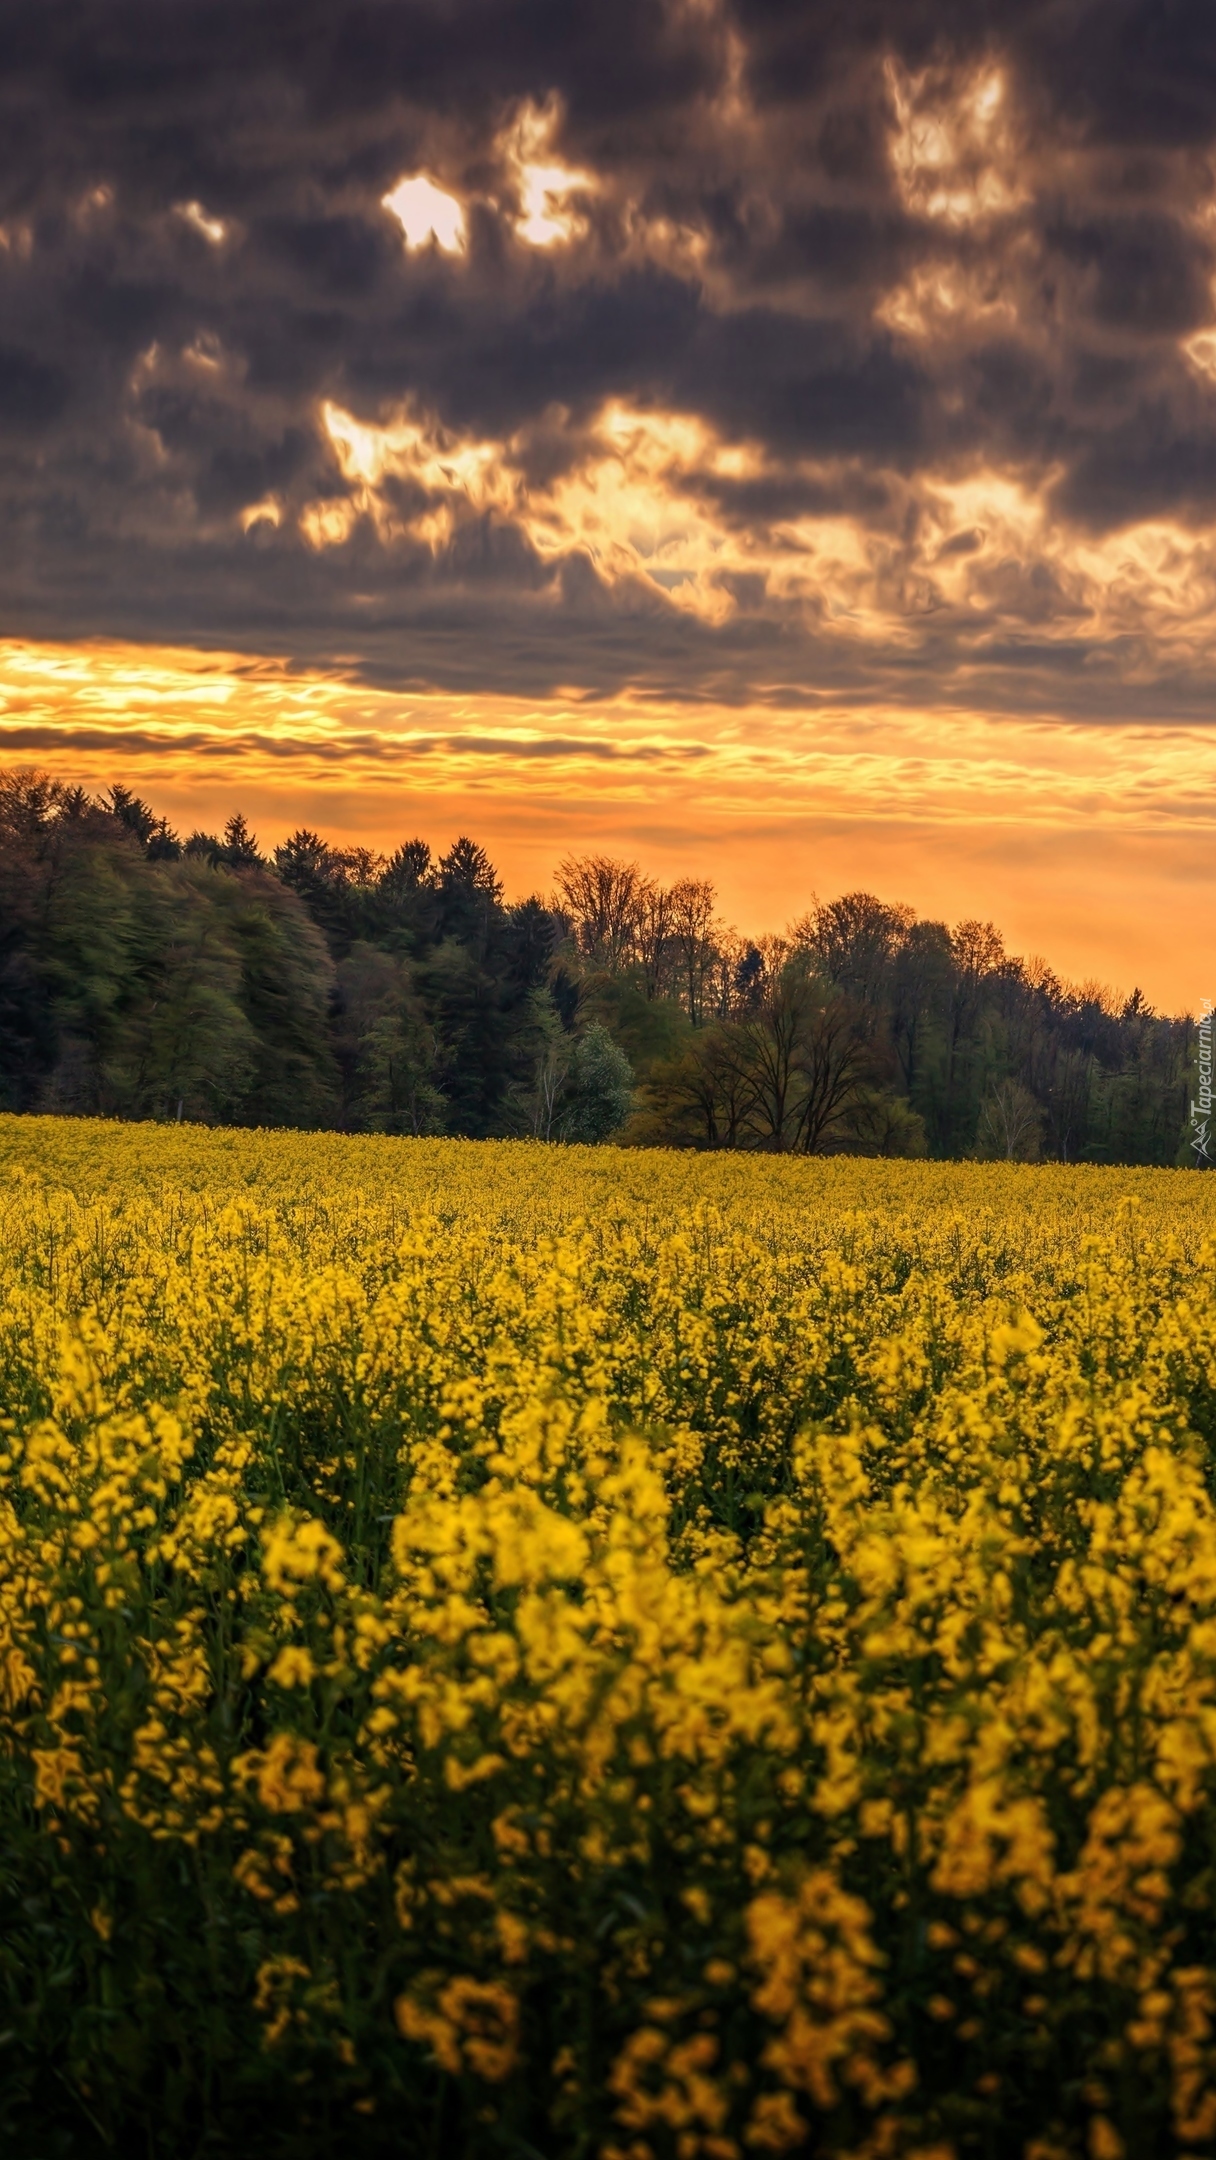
[{"x": 722, "y": 350}]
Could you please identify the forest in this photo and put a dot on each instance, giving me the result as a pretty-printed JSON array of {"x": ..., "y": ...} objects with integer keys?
[{"x": 146, "y": 975}]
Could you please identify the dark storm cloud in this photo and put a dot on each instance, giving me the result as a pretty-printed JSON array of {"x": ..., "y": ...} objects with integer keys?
[{"x": 194, "y": 259}]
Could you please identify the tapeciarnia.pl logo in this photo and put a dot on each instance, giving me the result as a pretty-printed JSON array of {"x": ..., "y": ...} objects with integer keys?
[{"x": 1201, "y": 1104}]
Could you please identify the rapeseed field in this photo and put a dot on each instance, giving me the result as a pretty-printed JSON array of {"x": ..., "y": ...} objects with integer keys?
[{"x": 523, "y": 1651}]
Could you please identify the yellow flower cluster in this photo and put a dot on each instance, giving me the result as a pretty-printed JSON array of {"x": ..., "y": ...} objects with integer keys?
[{"x": 626, "y": 1656}]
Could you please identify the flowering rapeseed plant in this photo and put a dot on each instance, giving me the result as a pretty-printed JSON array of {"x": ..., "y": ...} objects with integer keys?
[{"x": 505, "y": 1652}]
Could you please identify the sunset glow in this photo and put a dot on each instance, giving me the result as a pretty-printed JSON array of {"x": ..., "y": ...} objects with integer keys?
[
  {"x": 1085, "y": 843},
  {"x": 796, "y": 469}
]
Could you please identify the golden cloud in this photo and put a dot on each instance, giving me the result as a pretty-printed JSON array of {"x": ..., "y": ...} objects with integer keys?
[
  {"x": 541, "y": 192},
  {"x": 980, "y": 555},
  {"x": 545, "y": 186},
  {"x": 427, "y": 212},
  {"x": 953, "y": 150}
]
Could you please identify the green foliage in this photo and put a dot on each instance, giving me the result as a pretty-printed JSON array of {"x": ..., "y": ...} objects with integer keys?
[
  {"x": 880, "y": 1122},
  {"x": 650, "y": 1030},
  {"x": 388, "y": 1045},
  {"x": 599, "y": 1087},
  {"x": 548, "y": 1049},
  {"x": 159, "y": 983},
  {"x": 144, "y": 977},
  {"x": 579, "y": 1087},
  {"x": 286, "y": 978}
]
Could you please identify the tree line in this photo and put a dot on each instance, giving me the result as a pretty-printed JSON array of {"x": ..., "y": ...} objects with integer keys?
[{"x": 143, "y": 975}]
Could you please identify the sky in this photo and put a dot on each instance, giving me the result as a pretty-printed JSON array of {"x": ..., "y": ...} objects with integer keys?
[{"x": 771, "y": 439}]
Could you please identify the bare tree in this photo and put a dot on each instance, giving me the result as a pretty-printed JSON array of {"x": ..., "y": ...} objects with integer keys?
[
  {"x": 1011, "y": 1124},
  {"x": 653, "y": 937},
  {"x": 853, "y": 941},
  {"x": 548, "y": 1079},
  {"x": 761, "y": 969},
  {"x": 978, "y": 949},
  {"x": 731, "y": 959},
  {"x": 692, "y": 927},
  {"x": 774, "y": 1047},
  {"x": 978, "y": 952},
  {"x": 705, "y": 1096},
  {"x": 920, "y": 990},
  {"x": 605, "y": 899},
  {"x": 784, "y": 1079},
  {"x": 833, "y": 1062},
  {"x": 882, "y": 1123}
]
